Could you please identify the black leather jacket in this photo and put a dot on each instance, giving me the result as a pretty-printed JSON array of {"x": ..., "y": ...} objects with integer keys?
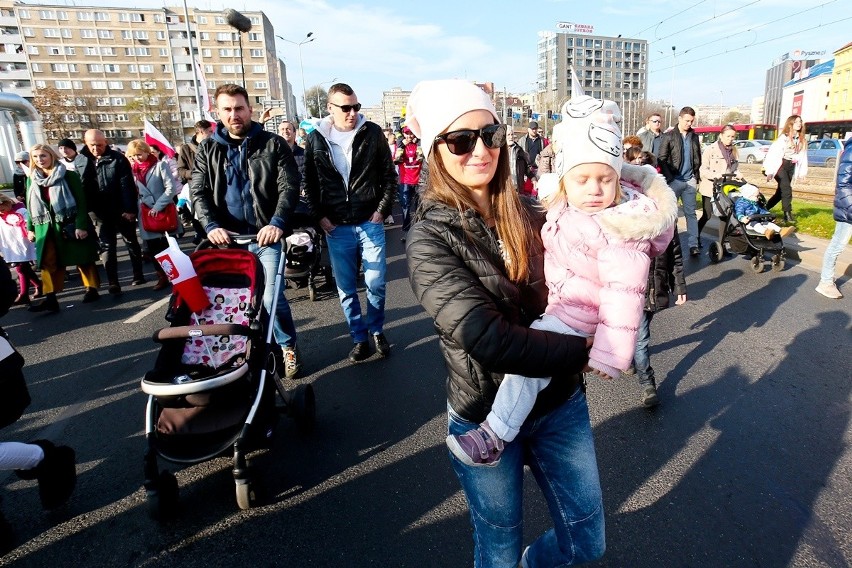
[
  {"x": 117, "y": 187},
  {"x": 274, "y": 181},
  {"x": 670, "y": 156},
  {"x": 482, "y": 318},
  {"x": 372, "y": 183}
]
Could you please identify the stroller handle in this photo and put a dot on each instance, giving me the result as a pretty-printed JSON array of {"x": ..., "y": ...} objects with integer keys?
[
  {"x": 185, "y": 331},
  {"x": 240, "y": 240}
]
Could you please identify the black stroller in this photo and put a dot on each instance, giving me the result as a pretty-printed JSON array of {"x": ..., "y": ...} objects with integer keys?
[
  {"x": 304, "y": 252},
  {"x": 210, "y": 388},
  {"x": 736, "y": 234}
]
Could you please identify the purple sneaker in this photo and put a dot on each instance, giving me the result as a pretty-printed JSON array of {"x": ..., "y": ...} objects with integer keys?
[{"x": 477, "y": 447}]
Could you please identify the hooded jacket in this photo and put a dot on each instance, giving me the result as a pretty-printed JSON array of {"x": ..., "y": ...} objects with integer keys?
[
  {"x": 272, "y": 174},
  {"x": 596, "y": 265},
  {"x": 843, "y": 193},
  {"x": 186, "y": 160},
  {"x": 482, "y": 318},
  {"x": 372, "y": 181}
]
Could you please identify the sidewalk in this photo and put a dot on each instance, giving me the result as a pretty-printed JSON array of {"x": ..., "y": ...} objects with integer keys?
[{"x": 806, "y": 249}]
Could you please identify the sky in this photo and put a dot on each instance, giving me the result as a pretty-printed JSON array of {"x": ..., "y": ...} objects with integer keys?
[{"x": 723, "y": 47}]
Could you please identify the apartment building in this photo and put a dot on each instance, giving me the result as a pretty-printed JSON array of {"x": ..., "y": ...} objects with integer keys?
[
  {"x": 612, "y": 68},
  {"x": 111, "y": 66},
  {"x": 839, "y": 101}
]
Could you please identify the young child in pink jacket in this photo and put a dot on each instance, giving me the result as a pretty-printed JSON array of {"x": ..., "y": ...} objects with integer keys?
[{"x": 605, "y": 220}]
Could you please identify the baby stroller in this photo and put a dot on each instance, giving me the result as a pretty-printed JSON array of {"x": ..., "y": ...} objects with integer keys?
[
  {"x": 210, "y": 389},
  {"x": 739, "y": 237},
  {"x": 304, "y": 252}
]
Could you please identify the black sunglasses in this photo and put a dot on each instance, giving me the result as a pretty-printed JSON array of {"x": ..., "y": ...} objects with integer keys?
[
  {"x": 460, "y": 142},
  {"x": 348, "y": 108}
]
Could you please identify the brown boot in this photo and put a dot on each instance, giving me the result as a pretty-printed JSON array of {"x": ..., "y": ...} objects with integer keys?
[
  {"x": 787, "y": 231},
  {"x": 769, "y": 233},
  {"x": 162, "y": 279}
]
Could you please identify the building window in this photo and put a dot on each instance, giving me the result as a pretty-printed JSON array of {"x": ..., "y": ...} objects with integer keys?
[
  {"x": 117, "y": 85},
  {"x": 158, "y": 18},
  {"x": 99, "y": 84},
  {"x": 258, "y": 69},
  {"x": 87, "y": 34},
  {"x": 32, "y": 49},
  {"x": 255, "y": 20},
  {"x": 260, "y": 84},
  {"x": 85, "y": 16},
  {"x": 104, "y": 117},
  {"x": 101, "y": 17},
  {"x": 161, "y": 35},
  {"x": 208, "y": 69},
  {"x": 51, "y": 32},
  {"x": 257, "y": 53},
  {"x": 220, "y": 20},
  {"x": 146, "y": 68},
  {"x": 69, "y": 50},
  {"x": 138, "y": 34},
  {"x": 102, "y": 101},
  {"x": 107, "y": 51},
  {"x": 36, "y": 67},
  {"x": 254, "y": 36},
  {"x": 205, "y": 36},
  {"x": 229, "y": 68},
  {"x": 24, "y": 14},
  {"x": 55, "y": 67},
  {"x": 95, "y": 68},
  {"x": 164, "y": 52},
  {"x": 131, "y": 17},
  {"x": 111, "y": 68},
  {"x": 224, "y": 36},
  {"x": 121, "y": 118},
  {"x": 28, "y": 32},
  {"x": 41, "y": 84},
  {"x": 54, "y": 51},
  {"x": 168, "y": 85},
  {"x": 46, "y": 15},
  {"x": 201, "y": 19},
  {"x": 105, "y": 34},
  {"x": 65, "y": 85}
]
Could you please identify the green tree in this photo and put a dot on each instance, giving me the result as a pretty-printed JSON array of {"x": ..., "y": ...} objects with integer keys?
[
  {"x": 317, "y": 101},
  {"x": 735, "y": 117}
]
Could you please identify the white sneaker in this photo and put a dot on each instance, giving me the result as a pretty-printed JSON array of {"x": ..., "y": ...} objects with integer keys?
[
  {"x": 292, "y": 365},
  {"x": 829, "y": 290},
  {"x": 389, "y": 220}
]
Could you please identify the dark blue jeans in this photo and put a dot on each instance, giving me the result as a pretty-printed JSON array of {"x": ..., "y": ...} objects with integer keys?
[
  {"x": 642, "y": 357},
  {"x": 560, "y": 451},
  {"x": 283, "y": 328},
  {"x": 407, "y": 194}
]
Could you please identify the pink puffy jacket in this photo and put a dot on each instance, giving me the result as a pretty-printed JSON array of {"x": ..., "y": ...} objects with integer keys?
[{"x": 596, "y": 265}]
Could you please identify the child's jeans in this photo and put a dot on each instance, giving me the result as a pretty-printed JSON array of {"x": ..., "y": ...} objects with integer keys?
[{"x": 516, "y": 395}]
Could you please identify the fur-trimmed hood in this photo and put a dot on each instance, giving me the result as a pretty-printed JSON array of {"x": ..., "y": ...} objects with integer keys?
[{"x": 630, "y": 222}]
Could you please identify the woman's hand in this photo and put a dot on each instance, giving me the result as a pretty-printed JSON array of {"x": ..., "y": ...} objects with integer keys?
[
  {"x": 153, "y": 213},
  {"x": 31, "y": 236},
  {"x": 81, "y": 234}
]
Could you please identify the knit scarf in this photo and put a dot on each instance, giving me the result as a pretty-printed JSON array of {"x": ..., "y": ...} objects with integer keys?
[
  {"x": 60, "y": 197},
  {"x": 728, "y": 154},
  {"x": 141, "y": 169}
]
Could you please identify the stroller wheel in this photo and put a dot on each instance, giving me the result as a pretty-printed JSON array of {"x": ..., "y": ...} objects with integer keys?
[
  {"x": 756, "y": 264},
  {"x": 163, "y": 502},
  {"x": 777, "y": 263},
  {"x": 716, "y": 252},
  {"x": 246, "y": 495}
]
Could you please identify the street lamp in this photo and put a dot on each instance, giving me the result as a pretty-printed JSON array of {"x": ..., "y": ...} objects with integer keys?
[
  {"x": 319, "y": 108},
  {"x": 671, "y": 98},
  {"x": 308, "y": 38}
]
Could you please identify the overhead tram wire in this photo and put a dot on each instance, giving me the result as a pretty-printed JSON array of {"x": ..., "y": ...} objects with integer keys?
[
  {"x": 705, "y": 21},
  {"x": 669, "y": 18},
  {"x": 747, "y": 46}
]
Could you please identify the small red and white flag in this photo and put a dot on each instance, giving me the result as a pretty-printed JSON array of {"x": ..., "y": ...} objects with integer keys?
[
  {"x": 154, "y": 136},
  {"x": 206, "y": 104}
]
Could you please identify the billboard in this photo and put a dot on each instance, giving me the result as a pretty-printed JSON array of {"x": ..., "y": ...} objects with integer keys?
[
  {"x": 572, "y": 28},
  {"x": 800, "y": 55},
  {"x": 798, "y": 99}
]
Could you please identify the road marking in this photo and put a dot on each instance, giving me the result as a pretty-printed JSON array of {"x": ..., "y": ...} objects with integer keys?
[{"x": 148, "y": 311}]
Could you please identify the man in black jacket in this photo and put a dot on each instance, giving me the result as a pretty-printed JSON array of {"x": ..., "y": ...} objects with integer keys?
[
  {"x": 350, "y": 181},
  {"x": 115, "y": 208},
  {"x": 680, "y": 159},
  {"x": 245, "y": 181}
]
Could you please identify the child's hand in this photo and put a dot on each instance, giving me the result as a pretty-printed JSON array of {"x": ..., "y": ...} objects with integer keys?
[
  {"x": 31, "y": 236},
  {"x": 745, "y": 219},
  {"x": 681, "y": 300}
]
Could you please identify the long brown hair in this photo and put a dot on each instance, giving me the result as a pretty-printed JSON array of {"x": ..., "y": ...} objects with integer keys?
[
  {"x": 734, "y": 152},
  {"x": 510, "y": 217},
  {"x": 788, "y": 127}
]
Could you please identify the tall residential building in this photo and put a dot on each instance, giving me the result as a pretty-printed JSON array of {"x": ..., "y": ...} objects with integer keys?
[
  {"x": 784, "y": 69},
  {"x": 114, "y": 65},
  {"x": 613, "y": 68},
  {"x": 393, "y": 102}
]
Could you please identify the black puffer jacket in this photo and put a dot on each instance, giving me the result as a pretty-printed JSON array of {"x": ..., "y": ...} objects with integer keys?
[
  {"x": 843, "y": 193},
  {"x": 272, "y": 172},
  {"x": 482, "y": 318},
  {"x": 665, "y": 276},
  {"x": 372, "y": 183},
  {"x": 670, "y": 157}
]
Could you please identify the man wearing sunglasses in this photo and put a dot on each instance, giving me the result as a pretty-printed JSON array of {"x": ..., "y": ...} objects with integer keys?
[
  {"x": 651, "y": 135},
  {"x": 350, "y": 181}
]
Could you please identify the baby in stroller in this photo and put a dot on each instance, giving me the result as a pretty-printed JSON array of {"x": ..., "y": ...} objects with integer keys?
[{"x": 749, "y": 211}]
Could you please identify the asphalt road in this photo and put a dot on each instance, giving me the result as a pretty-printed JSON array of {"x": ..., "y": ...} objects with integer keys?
[{"x": 745, "y": 463}]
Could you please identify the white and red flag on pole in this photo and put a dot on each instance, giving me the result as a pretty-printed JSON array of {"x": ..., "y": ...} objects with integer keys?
[
  {"x": 206, "y": 105},
  {"x": 154, "y": 136}
]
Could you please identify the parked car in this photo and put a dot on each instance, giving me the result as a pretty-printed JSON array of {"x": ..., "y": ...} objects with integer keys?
[
  {"x": 824, "y": 152},
  {"x": 752, "y": 151}
]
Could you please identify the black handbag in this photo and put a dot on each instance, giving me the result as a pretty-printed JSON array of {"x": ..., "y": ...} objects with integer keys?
[
  {"x": 14, "y": 395},
  {"x": 69, "y": 231}
]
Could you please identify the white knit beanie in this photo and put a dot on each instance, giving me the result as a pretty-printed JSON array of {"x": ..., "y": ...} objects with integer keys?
[
  {"x": 749, "y": 191},
  {"x": 589, "y": 132},
  {"x": 434, "y": 105}
]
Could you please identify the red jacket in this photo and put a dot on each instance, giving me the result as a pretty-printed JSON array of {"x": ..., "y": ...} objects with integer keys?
[{"x": 410, "y": 160}]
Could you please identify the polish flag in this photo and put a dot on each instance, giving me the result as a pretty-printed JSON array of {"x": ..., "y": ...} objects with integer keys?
[
  {"x": 206, "y": 105},
  {"x": 154, "y": 136}
]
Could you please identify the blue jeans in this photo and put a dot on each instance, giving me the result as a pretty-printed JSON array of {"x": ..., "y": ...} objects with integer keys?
[
  {"x": 283, "y": 328},
  {"x": 345, "y": 244},
  {"x": 687, "y": 192},
  {"x": 642, "y": 357},
  {"x": 560, "y": 451},
  {"x": 407, "y": 194},
  {"x": 842, "y": 234}
]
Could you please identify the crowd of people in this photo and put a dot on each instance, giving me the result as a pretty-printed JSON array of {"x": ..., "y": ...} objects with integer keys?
[{"x": 542, "y": 261}]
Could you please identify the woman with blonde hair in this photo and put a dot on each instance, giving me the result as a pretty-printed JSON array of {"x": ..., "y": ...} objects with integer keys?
[
  {"x": 787, "y": 160},
  {"x": 157, "y": 188},
  {"x": 59, "y": 226}
]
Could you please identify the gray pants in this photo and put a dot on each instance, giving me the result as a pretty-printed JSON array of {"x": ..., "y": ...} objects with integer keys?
[{"x": 516, "y": 395}]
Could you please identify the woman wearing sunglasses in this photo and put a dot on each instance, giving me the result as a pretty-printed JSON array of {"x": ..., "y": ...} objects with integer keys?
[{"x": 475, "y": 261}]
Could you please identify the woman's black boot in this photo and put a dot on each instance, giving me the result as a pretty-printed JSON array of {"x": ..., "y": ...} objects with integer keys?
[
  {"x": 49, "y": 304},
  {"x": 788, "y": 217}
]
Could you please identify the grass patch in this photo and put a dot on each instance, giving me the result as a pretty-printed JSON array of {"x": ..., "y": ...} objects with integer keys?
[{"x": 812, "y": 218}]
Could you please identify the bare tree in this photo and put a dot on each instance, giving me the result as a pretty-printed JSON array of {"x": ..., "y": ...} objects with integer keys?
[
  {"x": 160, "y": 108},
  {"x": 52, "y": 107},
  {"x": 736, "y": 117},
  {"x": 316, "y": 100}
]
